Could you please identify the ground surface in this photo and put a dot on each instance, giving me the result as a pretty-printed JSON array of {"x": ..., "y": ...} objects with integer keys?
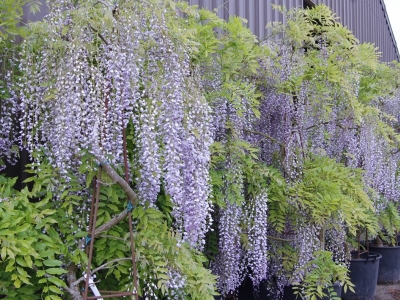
[{"x": 388, "y": 292}]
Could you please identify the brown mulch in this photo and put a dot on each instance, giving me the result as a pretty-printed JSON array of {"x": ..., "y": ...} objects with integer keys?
[{"x": 395, "y": 294}]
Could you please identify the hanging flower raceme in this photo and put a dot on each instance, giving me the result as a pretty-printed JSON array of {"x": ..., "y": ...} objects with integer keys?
[
  {"x": 93, "y": 75},
  {"x": 228, "y": 262},
  {"x": 256, "y": 256},
  {"x": 9, "y": 111}
]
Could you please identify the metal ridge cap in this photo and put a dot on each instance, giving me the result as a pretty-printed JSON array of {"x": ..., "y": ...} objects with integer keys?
[{"x": 390, "y": 28}]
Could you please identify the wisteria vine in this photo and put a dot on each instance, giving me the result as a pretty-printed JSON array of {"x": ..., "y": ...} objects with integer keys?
[{"x": 224, "y": 130}]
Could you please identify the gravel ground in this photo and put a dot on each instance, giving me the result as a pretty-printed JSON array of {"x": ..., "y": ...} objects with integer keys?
[{"x": 388, "y": 292}]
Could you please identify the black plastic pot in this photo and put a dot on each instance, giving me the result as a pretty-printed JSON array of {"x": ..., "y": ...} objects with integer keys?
[
  {"x": 288, "y": 293},
  {"x": 246, "y": 291},
  {"x": 389, "y": 266},
  {"x": 364, "y": 275}
]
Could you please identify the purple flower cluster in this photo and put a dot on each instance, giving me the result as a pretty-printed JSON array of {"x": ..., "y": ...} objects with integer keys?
[
  {"x": 307, "y": 242},
  {"x": 9, "y": 111},
  {"x": 256, "y": 256},
  {"x": 227, "y": 265},
  {"x": 83, "y": 102}
]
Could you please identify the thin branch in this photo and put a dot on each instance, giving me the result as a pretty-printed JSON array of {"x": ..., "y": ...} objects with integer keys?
[
  {"x": 74, "y": 294},
  {"x": 111, "y": 237},
  {"x": 106, "y": 183},
  {"x": 279, "y": 239},
  {"x": 102, "y": 2},
  {"x": 282, "y": 146},
  {"x": 129, "y": 192},
  {"x": 317, "y": 125},
  {"x": 266, "y": 136},
  {"x": 114, "y": 221},
  {"x": 326, "y": 123},
  {"x": 124, "y": 185},
  {"x": 102, "y": 267},
  {"x": 99, "y": 34}
]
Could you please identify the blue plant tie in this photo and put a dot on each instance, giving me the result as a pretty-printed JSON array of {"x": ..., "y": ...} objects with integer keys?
[
  {"x": 87, "y": 240},
  {"x": 99, "y": 164},
  {"x": 129, "y": 207}
]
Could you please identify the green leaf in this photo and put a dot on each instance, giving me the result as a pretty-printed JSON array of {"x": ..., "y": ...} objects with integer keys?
[
  {"x": 25, "y": 280},
  {"x": 48, "y": 212},
  {"x": 64, "y": 30},
  {"x": 55, "y": 271},
  {"x": 89, "y": 178},
  {"x": 55, "y": 289},
  {"x": 52, "y": 263},
  {"x": 22, "y": 228},
  {"x": 81, "y": 234},
  {"x": 12, "y": 31},
  {"x": 21, "y": 262},
  {"x": 28, "y": 261},
  {"x": 17, "y": 283},
  {"x": 10, "y": 266},
  {"x": 10, "y": 253},
  {"x": 56, "y": 281},
  {"x": 3, "y": 253},
  {"x": 22, "y": 272}
]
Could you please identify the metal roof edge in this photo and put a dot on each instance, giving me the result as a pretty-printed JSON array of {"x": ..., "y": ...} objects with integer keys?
[{"x": 390, "y": 28}]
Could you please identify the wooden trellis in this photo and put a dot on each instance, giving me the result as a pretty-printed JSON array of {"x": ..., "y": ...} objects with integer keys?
[{"x": 90, "y": 240}]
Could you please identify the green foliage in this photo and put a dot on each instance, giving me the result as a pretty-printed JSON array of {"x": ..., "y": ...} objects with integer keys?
[
  {"x": 11, "y": 12},
  {"x": 321, "y": 273},
  {"x": 278, "y": 206},
  {"x": 389, "y": 219},
  {"x": 39, "y": 239},
  {"x": 255, "y": 174},
  {"x": 160, "y": 250},
  {"x": 286, "y": 254},
  {"x": 230, "y": 45},
  {"x": 30, "y": 246},
  {"x": 327, "y": 56},
  {"x": 330, "y": 193}
]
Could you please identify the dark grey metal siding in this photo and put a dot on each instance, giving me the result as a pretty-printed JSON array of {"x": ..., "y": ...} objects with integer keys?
[
  {"x": 367, "y": 19},
  {"x": 257, "y": 12}
]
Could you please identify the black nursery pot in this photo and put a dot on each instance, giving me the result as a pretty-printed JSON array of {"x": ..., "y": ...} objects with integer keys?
[
  {"x": 288, "y": 293},
  {"x": 247, "y": 292},
  {"x": 389, "y": 266},
  {"x": 364, "y": 275}
]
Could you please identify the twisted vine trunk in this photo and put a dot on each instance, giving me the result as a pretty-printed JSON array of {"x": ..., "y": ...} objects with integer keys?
[{"x": 73, "y": 290}]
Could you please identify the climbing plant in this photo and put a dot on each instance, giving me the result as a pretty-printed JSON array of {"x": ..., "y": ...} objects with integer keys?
[{"x": 244, "y": 158}]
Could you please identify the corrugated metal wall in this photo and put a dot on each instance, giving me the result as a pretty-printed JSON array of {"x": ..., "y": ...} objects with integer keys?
[
  {"x": 369, "y": 22},
  {"x": 257, "y": 12},
  {"x": 366, "y": 18}
]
